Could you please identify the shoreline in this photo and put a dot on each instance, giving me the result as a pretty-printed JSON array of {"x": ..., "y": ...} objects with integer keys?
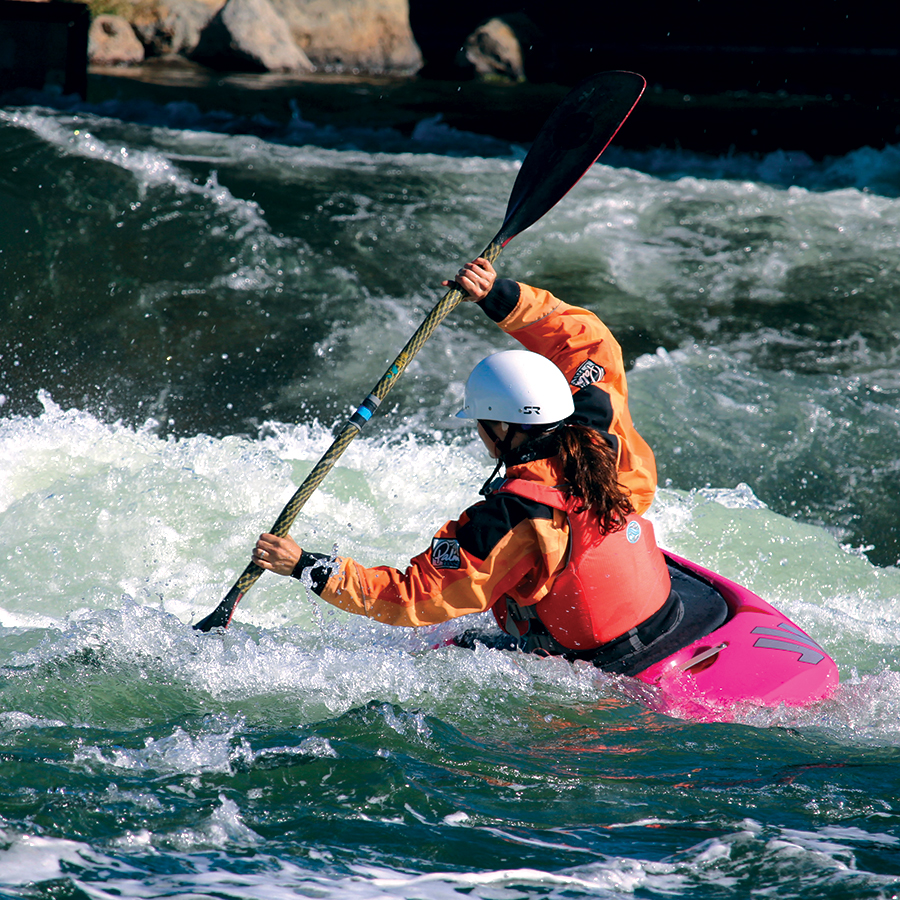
[{"x": 733, "y": 121}]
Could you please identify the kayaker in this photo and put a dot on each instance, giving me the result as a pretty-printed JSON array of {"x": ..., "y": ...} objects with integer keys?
[{"x": 558, "y": 550}]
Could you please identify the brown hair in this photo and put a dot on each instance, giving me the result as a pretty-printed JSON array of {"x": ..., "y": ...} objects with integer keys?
[{"x": 589, "y": 466}]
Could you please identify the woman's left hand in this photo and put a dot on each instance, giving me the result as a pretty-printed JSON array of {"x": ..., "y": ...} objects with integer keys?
[
  {"x": 277, "y": 554},
  {"x": 475, "y": 278}
]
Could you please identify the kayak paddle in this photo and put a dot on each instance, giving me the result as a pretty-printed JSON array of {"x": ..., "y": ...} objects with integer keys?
[{"x": 571, "y": 140}]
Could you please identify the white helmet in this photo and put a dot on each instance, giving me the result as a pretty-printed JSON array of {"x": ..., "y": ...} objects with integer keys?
[{"x": 519, "y": 387}]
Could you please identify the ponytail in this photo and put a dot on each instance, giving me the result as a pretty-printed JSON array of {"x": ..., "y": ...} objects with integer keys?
[{"x": 589, "y": 467}]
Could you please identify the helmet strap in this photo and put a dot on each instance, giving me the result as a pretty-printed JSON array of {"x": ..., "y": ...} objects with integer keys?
[{"x": 503, "y": 445}]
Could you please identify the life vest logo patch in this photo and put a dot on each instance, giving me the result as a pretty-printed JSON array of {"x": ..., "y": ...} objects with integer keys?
[
  {"x": 588, "y": 373},
  {"x": 445, "y": 553},
  {"x": 633, "y": 532}
]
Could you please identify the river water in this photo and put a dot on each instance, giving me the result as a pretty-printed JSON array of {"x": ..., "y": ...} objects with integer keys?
[{"x": 189, "y": 305}]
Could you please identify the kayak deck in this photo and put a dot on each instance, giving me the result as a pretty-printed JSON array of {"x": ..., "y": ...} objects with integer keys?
[{"x": 757, "y": 657}]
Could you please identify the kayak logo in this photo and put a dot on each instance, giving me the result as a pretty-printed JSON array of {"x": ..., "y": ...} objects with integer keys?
[
  {"x": 587, "y": 373},
  {"x": 789, "y": 637},
  {"x": 445, "y": 553},
  {"x": 633, "y": 532}
]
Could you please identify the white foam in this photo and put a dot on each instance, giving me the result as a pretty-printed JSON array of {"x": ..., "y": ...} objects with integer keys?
[{"x": 146, "y": 534}]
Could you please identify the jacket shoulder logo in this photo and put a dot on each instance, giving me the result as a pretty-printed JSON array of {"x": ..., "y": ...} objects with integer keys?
[
  {"x": 588, "y": 373},
  {"x": 445, "y": 553}
]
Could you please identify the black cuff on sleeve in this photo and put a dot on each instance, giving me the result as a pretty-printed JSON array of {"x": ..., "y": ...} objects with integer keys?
[
  {"x": 318, "y": 574},
  {"x": 502, "y": 299}
]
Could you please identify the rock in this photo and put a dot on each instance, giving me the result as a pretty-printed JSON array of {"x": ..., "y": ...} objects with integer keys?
[
  {"x": 510, "y": 46},
  {"x": 250, "y": 35},
  {"x": 169, "y": 27},
  {"x": 372, "y": 36},
  {"x": 493, "y": 49},
  {"x": 112, "y": 41}
]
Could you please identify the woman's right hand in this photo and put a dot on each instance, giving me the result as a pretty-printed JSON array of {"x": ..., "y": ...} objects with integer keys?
[
  {"x": 277, "y": 554},
  {"x": 476, "y": 279}
]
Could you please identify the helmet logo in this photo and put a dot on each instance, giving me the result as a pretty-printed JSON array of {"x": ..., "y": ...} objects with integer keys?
[{"x": 531, "y": 410}]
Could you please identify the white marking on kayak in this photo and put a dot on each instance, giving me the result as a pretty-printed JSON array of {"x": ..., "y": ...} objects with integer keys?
[
  {"x": 794, "y": 634},
  {"x": 794, "y": 641}
]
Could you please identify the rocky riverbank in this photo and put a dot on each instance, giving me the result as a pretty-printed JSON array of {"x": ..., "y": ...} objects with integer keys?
[{"x": 822, "y": 84}]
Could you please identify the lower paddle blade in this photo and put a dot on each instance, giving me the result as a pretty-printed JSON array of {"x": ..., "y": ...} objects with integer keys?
[
  {"x": 221, "y": 615},
  {"x": 572, "y": 139}
]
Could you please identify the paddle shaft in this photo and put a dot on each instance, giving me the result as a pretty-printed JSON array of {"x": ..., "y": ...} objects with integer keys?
[{"x": 221, "y": 615}]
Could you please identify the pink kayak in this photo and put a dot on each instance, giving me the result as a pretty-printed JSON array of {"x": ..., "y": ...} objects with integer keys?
[{"x": 757, "y": 657}]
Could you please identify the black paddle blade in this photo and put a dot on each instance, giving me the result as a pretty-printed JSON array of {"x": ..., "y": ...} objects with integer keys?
[
  {"x": 221, "y": 615},
  {"x": 572, "y": 139}
]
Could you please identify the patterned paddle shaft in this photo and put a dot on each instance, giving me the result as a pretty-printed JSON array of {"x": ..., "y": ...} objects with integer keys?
[
  {"x": 354, "y": 425},
  {"x": 222, "y": 615}
]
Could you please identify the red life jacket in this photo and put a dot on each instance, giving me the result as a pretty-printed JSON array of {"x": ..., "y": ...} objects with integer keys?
[{"x": 611, "y": 582}]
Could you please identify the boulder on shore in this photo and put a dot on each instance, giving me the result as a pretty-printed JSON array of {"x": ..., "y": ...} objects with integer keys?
[
  {"x": 354, "y": 35},
  {"x": 112, "y": 42},
  {"x": 250, "y": 36},
  {"x": 493, "y": 49},
  {"x": 357, "y": 36},
  {"x": 170, "y": 27}
]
